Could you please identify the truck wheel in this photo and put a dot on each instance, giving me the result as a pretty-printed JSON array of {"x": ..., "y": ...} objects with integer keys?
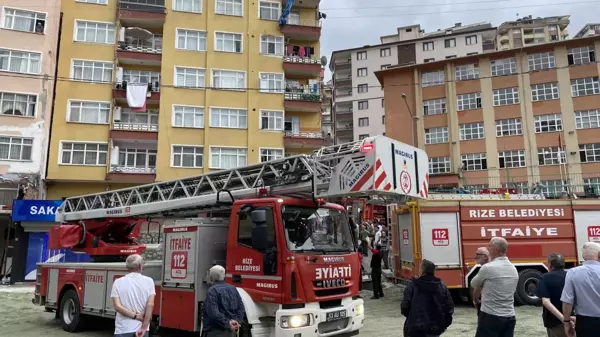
[
  {"x": 529, "y": 280},
  {"x": 71, "y": 318}
]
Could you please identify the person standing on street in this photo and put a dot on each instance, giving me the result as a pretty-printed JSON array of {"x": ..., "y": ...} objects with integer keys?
[
  {"x": 133, "y": 299},
  {"x": 384, "y": 242},
  {"x": 482, "y": 256},
  {"x": 364, "y": 234},
  {"x": 427, "y": 304},
  {"x": 495, "y": 285},
  {"x": 223, "y": 307},
  {"x": 376, "y": 272},
  {"x": 549, "y": 290},
  {"x": 582, "y": 290}
]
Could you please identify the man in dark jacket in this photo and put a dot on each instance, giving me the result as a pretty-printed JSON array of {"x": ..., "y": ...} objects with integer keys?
[
  {"x": 223, "y": 308},
  {"x": 376, "y": 272},
  {"x": 427, "y": 304}
]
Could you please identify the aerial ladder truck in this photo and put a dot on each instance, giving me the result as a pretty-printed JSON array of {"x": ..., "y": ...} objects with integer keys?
[{"x": 289, "y": 252}]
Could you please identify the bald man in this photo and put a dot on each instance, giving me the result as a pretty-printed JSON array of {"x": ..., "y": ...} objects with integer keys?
[
  {"x": 496, "y": 283},
  {"x": 482, "y": 256}
]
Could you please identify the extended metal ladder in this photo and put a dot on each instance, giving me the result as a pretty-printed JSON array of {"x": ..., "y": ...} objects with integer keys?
[
  {"x": 457, "y": 196},
  {"x": 290, "y": 176}
]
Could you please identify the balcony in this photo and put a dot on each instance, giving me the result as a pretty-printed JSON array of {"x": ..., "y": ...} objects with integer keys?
[
  {"x": 302, "y": 98},
  {"x": 301, "y": 30},
  {"x": 132, "y": 125},
  {"x": 343, "y": 92},
  {"x": 341, "y": 114},
  {"x": 138, "y": 46},
  {"x": 343, "y": 79},
  {"x": 132, "y": 163},
  {"x": 126, "y": 77},
  {"x": 142, "y": 13},
  {"x": 305, "y": 67},
  {"x": 303, "y": 140}
]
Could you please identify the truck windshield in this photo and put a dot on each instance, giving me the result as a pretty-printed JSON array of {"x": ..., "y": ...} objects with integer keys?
[{"x": 320, "y": 230}]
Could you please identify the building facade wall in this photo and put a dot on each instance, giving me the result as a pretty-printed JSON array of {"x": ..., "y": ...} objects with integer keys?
[{"x": 440, "y": 52}]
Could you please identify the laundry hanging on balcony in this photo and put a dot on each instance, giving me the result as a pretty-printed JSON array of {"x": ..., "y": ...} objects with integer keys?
[
  {"x": 286, "y": 12},
  {"x": 136, "y": 96}
]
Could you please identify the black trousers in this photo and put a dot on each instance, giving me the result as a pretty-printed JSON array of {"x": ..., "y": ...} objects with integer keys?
[
  {"x": 495, "y": 326},
  {"x": 384, "y": 257},
  {"x": 586, "y": 326},
  {"x": 376, "y": 279}
]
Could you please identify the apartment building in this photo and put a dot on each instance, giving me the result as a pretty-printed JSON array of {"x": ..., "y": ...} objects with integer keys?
[
  {"x": 150, "y": 93},
  {"x": 358, "y": 103},
  {"x": 28, "y": 42},
  {"x": 509, "y": 118},
  {"x": 588, "y": 30},
  {"x": 528, "y": 31}
]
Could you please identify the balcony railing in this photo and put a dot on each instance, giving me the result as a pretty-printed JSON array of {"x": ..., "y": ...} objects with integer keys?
[
  {"x": 304, "y": 134},
  {"x": 153, "y": 87},
  {"x": 299, "y": 59},
  {"x": 133, "y": 170},
  {"x": 151, "y": 46},
  {"x": 343, "y": 93},
  {"x": 126, "y": 126},
  {"x": 306, "y": 23},
  {"x": 302, "y": 92},
  {"x": 143, "y": 5}
]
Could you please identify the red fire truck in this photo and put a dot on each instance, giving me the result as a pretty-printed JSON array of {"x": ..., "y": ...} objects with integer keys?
[
  {"x": 448, "y": 228},
  {"x": 289, "y": 253}
]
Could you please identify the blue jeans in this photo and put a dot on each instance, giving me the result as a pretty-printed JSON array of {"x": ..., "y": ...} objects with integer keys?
[{"x": 132, "y": 334}]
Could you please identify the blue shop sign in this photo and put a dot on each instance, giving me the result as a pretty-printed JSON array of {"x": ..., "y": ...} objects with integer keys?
[{"x": 35, "y": 210}]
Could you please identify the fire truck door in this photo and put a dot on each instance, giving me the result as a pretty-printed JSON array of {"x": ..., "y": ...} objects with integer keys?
[
  {"x": 440, "y": 238},
  {"x": 587, "y": 228}
]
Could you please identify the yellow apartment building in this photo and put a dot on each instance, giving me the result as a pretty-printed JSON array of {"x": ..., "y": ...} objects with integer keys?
[{"x": 154, "y": 90}]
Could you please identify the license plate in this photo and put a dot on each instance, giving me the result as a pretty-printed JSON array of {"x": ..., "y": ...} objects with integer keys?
[{"x": 335, "y": 315}]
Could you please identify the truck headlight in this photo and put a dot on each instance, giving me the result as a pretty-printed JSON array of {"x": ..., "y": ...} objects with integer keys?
[
  {"x": 295, "y": 321},
  {"x": 359, "y": 310}
]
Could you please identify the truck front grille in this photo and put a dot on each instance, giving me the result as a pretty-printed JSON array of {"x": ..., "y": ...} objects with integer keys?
[
  {"x": 327, "y": 327},
  {"x": 331, "y": 292}
]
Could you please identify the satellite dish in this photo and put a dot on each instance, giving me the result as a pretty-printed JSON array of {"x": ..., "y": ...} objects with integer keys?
[{"x": 323, "y": 60}]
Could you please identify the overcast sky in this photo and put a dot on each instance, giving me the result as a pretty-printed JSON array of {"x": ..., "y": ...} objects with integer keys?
[{"x": 355, "y": 23}]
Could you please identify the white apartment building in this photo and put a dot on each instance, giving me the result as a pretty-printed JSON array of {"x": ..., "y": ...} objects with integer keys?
[
  {"x": 358, "y": 104},
  {"x": 528, "y": 31},
  {"x": 588, "y": 30}
]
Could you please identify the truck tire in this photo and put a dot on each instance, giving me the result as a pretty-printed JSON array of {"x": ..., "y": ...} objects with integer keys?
[
  {"x": 70, "y": 315},
  {"x": 529, "y": 280}
]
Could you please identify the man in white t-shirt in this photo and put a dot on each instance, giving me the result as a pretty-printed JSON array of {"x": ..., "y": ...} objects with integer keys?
[{"x": 133, "y": 299}]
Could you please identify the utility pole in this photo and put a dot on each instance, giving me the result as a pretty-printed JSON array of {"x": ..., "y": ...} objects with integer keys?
[{"x": 413, "y": 120}]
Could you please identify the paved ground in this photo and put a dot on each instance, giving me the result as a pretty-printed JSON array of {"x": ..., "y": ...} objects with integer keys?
[{"x": 18, "y": 317}]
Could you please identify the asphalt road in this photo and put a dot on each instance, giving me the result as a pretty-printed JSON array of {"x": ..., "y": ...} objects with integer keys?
[{"x": 18, "y": 317}]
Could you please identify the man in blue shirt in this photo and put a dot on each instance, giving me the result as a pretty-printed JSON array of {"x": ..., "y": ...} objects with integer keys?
[
  {"x": 549, "y": 290},
  {"x": 223, "y": 307}
]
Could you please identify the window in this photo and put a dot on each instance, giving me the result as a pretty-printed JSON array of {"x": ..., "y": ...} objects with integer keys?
[
  {"x": 383, "y": 120},
  {"x": 450, "y": 43},
  {"x": 271, "y": 45},
  {"x": 450, "y": 57},
  {"x": 470, "y": 40},
  {"x": 99, "y": 2},
  {"x": 438, "y": 165},
  {"x": 142, "y": 77},
  {"x": 582, "y": 55},
  {"x": 474, "y": 161},
  {"x": 229, "y": 118},
  {"x": 190, "y": 77},
  {"x": 88, "y": 112},
  {"x": 471, "y": 131},
  {"x": 92, "y": 71},
  {"x": 185, "y": 116},
  {"x": 363, "y": 105},
  {"x": 271, "y": 120},
  {"x": 469, "y": 101},
  {"x": 509, "y": 127},
  {"x": 230, "y": 7},
  {"x": 137, "y": 158},
  {"x": 544, "y": 92},
  {"x": 94, "y": 32},
  {"x": 430, "y": 79},
  {"x": 228, "y": 79},
  {"x": 364, "y": 136},
  {"x": 589, "y": 153},
  {"x": 227, "y": 157},
  {"x": 75, "y": 153},
  {"x": 434, "y": 107},
  {"x": 272, "y": 82},
  {"x": 541, "y": 61},
  {"x": 245, "y": 232},
  {"x": 187, "y": 156},
  {"x": 192, "y": 6},
  {"x": 269, "y": 10},
  {"x": 362, "y": 88},
  {"x": 511, "y": 159},
  {"x": 15, "y": 148},
  {"x": 467, "y": 72},
  {"x": 551, "y": 156},
  {"x": 385, "y": 66},
  {"x": 506, "y": 96},
  {"x": 147, "y": 120},
  {"x": 502, "y": 67},
  {"x": 25, "y": 21},
  {"x": 270, "y": 154},
  {"x": 20, "y": 61},
  {"x": 429, "y": 60},
  {"x": 385, "y": 52},
  {"x": 361, "y": 55},
  {"x": 587, "y": 119},
  {"x": 548, "y": 123},
  {"x": 193, "y": 40},
  {"x": 469, "y": 54},
  {"x": 427, "y": 46},
  {"x": 361, "y": 72},
  {"x": 436, "y": 135},
  {"x": 383, "y": 102},
  {"x": 13, "y": 104},
  {"x": 228, "y": 42},
  {"x": 585, "y": 86},
  {"x": 553, "y": 188},
  {"x": 364, "y": 121}
]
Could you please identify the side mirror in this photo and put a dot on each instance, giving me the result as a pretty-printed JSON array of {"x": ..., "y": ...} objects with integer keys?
[{"x": 259, "y": 230}]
